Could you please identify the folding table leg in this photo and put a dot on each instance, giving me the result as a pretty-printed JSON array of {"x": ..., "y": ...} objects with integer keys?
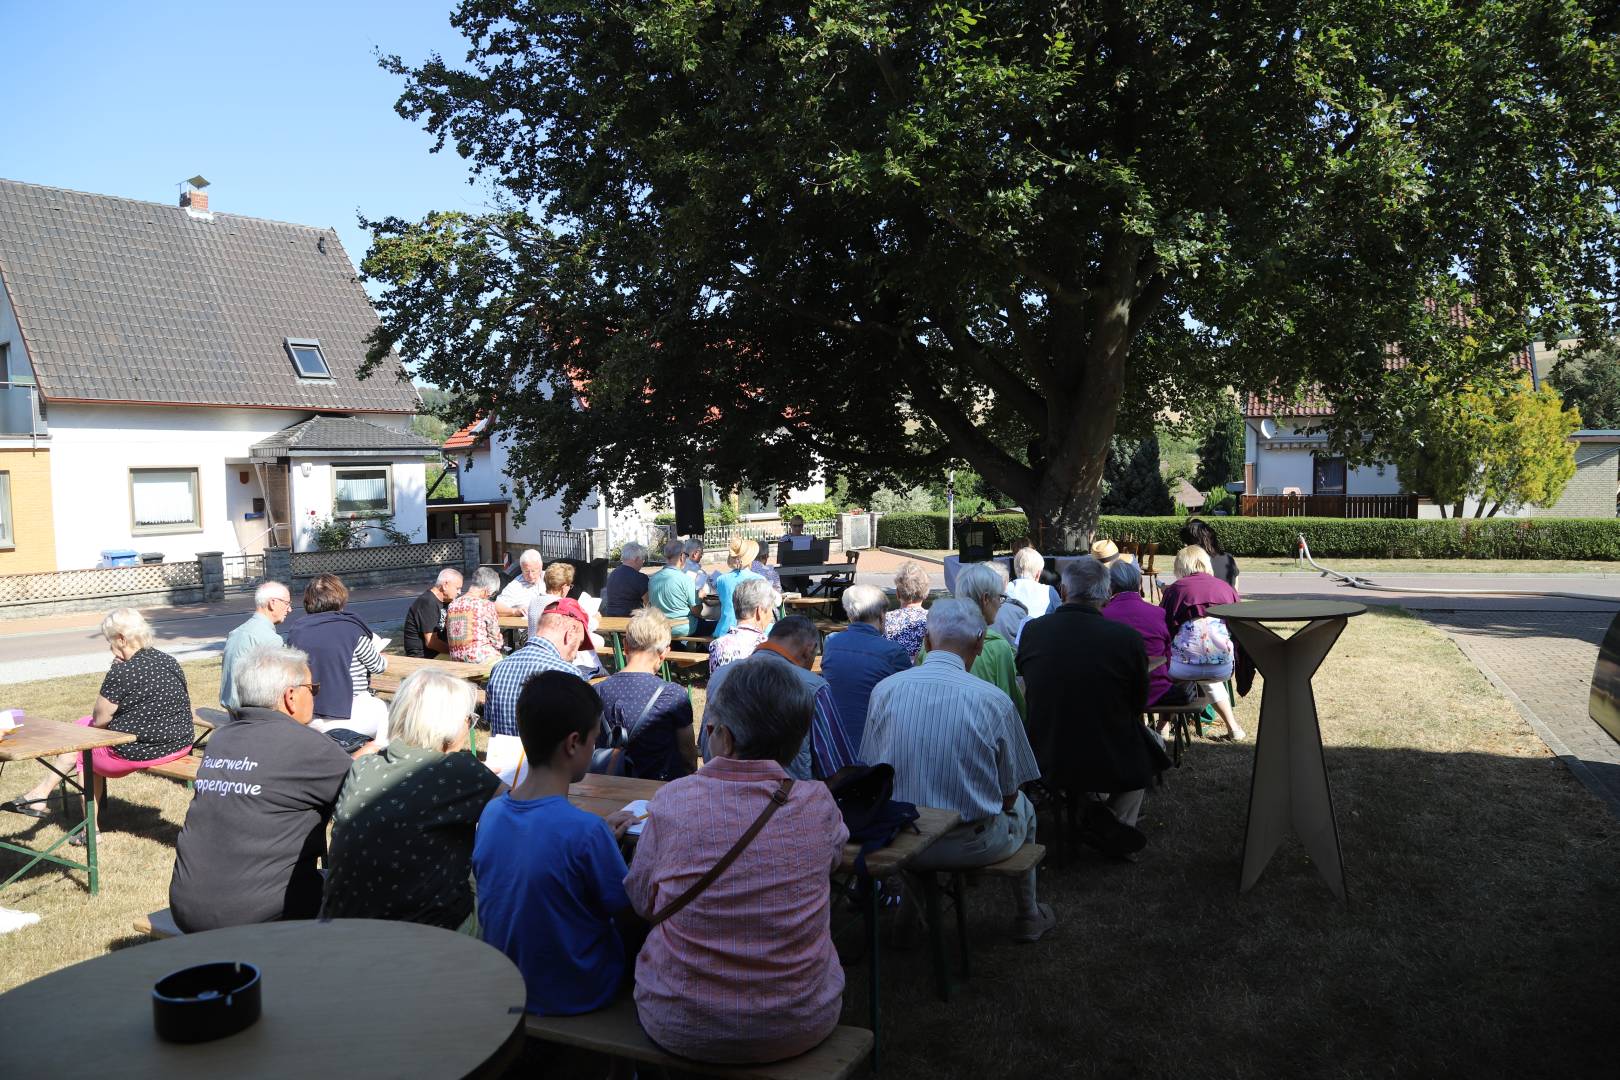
[
  {"x": 959, "y": 883},
  {"x": 869, "y": 893},
  {"x": 87, "y": 778}
]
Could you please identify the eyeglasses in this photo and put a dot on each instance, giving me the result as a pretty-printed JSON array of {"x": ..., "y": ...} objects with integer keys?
[{"x": 314, "y": 687}]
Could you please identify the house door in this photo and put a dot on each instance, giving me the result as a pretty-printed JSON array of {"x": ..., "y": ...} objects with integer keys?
[
  {"x": 244, "y": 507},
  {"x": 1327, "y": 476}
]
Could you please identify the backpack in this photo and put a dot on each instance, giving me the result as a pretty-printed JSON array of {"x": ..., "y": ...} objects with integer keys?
[
  {"x": 864, "y": 794},
  {"x": 1203, "y": 643}
]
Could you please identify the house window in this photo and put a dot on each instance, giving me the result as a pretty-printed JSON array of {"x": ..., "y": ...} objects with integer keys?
[
  {"x": 308, "y": 359},
  {"x": 1327, "y": 475},
  {"x": 363, "y": 491},
  {"x": 164, "y": 500},
  {"x": 6, "y": 535}
]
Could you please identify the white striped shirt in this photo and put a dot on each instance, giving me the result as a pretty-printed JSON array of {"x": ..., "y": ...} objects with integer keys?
[{"x": 954, "y": 740}]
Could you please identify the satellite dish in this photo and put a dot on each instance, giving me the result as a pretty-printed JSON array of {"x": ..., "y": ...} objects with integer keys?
[
  {"x": 198, "y": 182},
  {"x": 1268, "y": 428}
]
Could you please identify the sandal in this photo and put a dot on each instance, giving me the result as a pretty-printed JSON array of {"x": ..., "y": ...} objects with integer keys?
[{"x": 24, "y": 807}]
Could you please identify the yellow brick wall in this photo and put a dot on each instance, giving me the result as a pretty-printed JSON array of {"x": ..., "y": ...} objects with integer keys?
[{"x": 34, "y": 535}]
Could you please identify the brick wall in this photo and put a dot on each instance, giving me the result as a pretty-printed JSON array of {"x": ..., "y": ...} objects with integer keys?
[
  {"x": 34, "y": 549},
  {"x": 1591, "y": 491}
]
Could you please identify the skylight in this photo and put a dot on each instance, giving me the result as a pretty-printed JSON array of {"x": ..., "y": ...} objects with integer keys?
[{"x": 308, "y": 359}]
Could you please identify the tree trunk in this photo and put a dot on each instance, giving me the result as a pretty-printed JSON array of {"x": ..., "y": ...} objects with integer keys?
[
  {"x": 1457, "y": 509},
  {"x": 1494, "y": 509}
]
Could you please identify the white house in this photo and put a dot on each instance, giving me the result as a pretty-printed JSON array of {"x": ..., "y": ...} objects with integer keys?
[{"x": 176, "y": 381}]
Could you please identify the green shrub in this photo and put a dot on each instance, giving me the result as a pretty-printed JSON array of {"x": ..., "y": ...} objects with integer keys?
[
  {"x": 929, "y": 530},
  {"x": 1389, "y": 538},
  {"x": 811, "y": 511}
]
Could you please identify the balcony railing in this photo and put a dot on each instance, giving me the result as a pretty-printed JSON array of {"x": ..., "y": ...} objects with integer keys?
[
  {"x": 19, "y": 411},
  {"x": 1330, "y": 506}
]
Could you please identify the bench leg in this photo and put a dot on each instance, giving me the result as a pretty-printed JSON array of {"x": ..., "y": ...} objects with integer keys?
[
  {"x": 936, "y": 934},
  {"x": 87, "y": 777},
  {"x": 959, "y": 884},
  {"x": 874, "y": 987}
]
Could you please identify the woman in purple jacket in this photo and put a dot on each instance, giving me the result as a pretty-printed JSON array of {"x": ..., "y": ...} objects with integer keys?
[
  {"x": 1128, "y": 607},
  {"x": 1195, "y": 590}
]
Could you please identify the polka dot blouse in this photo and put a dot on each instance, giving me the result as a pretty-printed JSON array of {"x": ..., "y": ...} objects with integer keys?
[{"x": 153, "y": 704}]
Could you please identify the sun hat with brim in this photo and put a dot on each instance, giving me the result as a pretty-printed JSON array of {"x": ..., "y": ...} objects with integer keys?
[{"x": 1105, "y": 551}]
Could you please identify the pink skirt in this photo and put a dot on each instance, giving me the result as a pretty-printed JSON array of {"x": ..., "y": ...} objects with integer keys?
[{"x": 110, "y": 766}]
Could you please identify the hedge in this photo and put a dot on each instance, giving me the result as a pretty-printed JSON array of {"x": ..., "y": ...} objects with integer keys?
[
  {"x": 1389, "y": 538},
  {"x": 811, "y": 511}
]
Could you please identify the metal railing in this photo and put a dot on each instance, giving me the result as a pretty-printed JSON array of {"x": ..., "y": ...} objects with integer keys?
[
  {"x": 19, "y": 411},
  {"x": 243, "y": 572}
]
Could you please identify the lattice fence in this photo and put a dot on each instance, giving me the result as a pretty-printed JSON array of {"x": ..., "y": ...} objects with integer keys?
[
  {"x": 90, "y": 584},
  {"x": 308, "y": 564}
]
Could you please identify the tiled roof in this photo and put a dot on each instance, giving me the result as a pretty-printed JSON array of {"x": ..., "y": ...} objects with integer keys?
[
  {"x": 469, "y": 436},
  {"x": 130, "y": 301},
  {"x": 328, "y": 433},
  {"x": 1312, "y": 403}
]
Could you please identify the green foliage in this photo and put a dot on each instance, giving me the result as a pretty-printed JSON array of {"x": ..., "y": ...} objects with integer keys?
[
  {"x": 1589, "y": 380},
  {"x": 906, "y": 501},
  {"x": 929, "y": 531},
  {"x": 342, "y": 533},
  {"x": 1133, "y": 481},
  {"x": 446, "y": 488},
  {"x": 973, "y": 495},
  {"x": 1220, "y": 451},
  {"x": 1391, "y": 538},
  {"x": 811, "y": 511},
  {"x": 1218, "y": 499}
]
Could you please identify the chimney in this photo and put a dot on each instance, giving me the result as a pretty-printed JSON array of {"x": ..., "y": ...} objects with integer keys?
[{"x": 195, "y": 200}]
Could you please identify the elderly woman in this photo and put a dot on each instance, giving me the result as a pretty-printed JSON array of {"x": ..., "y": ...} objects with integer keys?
[
  {"x": 981, "y": 584},
  {"x": 472, "y": 622},
  {"x": 1127, "y": 606},
  {"x": 402, "y": 833},
  {"x": 1026, "y": 586},
  {"x": 655, "y": 716},
  {"x": 741, "y": 555},
  {"x": 745, "y": 971},
  {"x": 143, "y": 694},
  {"x": 753, "y": 610},
  {"x": 342, "y": 659},
  {"x": 1188, "y": 599},
  {"x": 908, "y": 624},
  {"x": 558, "y": 582}
]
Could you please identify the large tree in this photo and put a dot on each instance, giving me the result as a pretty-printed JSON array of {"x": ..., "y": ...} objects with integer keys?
[
  {"x": 752, "y": 239},
  {"x": 1589, "y": 380}
]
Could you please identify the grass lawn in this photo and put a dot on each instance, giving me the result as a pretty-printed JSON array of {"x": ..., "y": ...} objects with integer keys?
[{"x": 1479, "y": 939}]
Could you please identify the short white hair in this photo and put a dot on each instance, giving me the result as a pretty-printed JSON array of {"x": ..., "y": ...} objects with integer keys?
[
  {"x": 1086, "y": 578},
  {"x": 127, "y": 625},
  {"x": 980, "y": 581},
  {"x": 751, "y": 595},
  {"x": 632, "y": 550},
  {"x": 487, "y": 579},
  {"x": 263, "y": 676},
  {"x": 954, "y": 623},
  {"x": 268, "y": 591},
  {"x": 447, "y": 575},
  {"x": 431, "y": 710},
  {"x": 864, "y": 603},
  {"x": 530, "y": 556},
  {"x": 1028, "y": 563}
]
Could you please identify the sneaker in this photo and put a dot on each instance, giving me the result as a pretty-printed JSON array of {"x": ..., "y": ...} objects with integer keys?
[
  {"x": 1031, "y": 928},
  {"x": 1109, "y": 835}
]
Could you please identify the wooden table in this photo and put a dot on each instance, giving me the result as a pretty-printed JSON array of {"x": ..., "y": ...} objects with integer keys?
[
  {"x": 43, "y": 740},
  {"x": 603, "y": 795},
  {"x": 513, "y": 622},
  {"x": 1290, "y": 785},
  {"x": 386, "y": 685},
  {"x": 403, "y": 666},
  {"x": 453, "y": 1007}
]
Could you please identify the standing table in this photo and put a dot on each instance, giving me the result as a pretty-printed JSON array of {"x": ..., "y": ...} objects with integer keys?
[
  {"x": 42, "y": 740},
  {"x": 1290, "y": 785},
  {"x": 452, "y": 1006}
]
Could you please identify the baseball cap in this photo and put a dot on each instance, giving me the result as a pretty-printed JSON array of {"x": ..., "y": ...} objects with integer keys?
[{"x": 570, "y": 607}]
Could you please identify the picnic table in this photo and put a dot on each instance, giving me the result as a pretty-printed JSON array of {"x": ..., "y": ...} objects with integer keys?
[
  {"x": 454, "y": 1006},
  {"x": 603, "y": 795},
  {"x": 42, "y": 740},
  {"x": 386, "y": 685},
  {"x": 403, "y": 666}
]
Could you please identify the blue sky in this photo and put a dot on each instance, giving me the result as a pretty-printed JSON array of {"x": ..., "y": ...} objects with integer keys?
[{"x": 281, "y": 106}]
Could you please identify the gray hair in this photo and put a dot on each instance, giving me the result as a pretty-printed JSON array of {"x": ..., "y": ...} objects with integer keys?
[
  {"x": 431, "y": 710},
  {"x": 864, "y": 603},
  {"x": 447, "y": 575},
  {"x": 693, "y": 547},
  {"x": 980, "y": 582},
  {"x": 765, "y": 706},
  {"x": 1125, "y": 576},
  {"x": 672, "y": 550},
  {"x": 487, "y": 579},
  {"x": 268, "y": 591},
  {"x": 1087, "y": 579},
  {"x": 263, "y": 676},
  {"x": 530, "y": 556},
  {"x": 1028, "y": 563},
  {"x": 127, "y": 625},
  {"x": 911, "y": 583},
  {"x": 751, "y": 595},
  {"x": 955, "y": 623},
  {"x": 632, "y": 550}
]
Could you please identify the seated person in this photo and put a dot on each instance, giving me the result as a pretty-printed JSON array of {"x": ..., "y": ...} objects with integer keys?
[
  {"x": 144, "y": 694},
  {"x": 550, "y": 876},
  {"x": 272, "y": 603},
  {"x": 1127, "y": 606},
  {"x": 655, "y": 715},
  {"x": 671, "y": 591},
  {"x": 857, "y": 659},
  {"x": 563, "y": 628},
  {"x": 742, "y": 554},
  {"x": 342, "y": 658},
  {"x": 521, "y": 590},
  {"x": 753, "y": 610},
  {"x": 981, "y": 584},
  {"x": 556, "y": 582},
  {"x": 745, "y": 972},
  {"x": 423, "y": 634},
  {"x": 796, "y": 538},
  {"x": 692, "y": 565},
  {"x": 956, "y": 742},
  {"x": 256, "y": 825},
  {"x": 1186, "y": 600},
  {"x": 402, "y": 833},
  {"x": 472, "y": 627},
  {"x": 906, "y": 624},
  {"x": 626, "y": 587},
  {"x": 1026, "y": 586}
]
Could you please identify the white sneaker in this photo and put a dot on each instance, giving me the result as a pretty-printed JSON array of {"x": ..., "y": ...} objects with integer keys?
[{"x": 1031, "y": 928}]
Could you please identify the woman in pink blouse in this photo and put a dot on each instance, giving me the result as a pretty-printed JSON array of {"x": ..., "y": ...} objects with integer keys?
[{"x": 745, "y": 972}]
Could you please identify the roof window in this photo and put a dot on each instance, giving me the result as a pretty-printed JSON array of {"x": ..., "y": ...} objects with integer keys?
[{"x": 308, "y": 359}]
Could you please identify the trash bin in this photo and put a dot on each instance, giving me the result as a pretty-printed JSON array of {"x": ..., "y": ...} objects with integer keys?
[
  {"x": 119, "y": 557},
  {"x": 151, "y": 558}
]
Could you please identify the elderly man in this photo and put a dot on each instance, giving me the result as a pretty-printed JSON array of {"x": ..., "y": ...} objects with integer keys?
[
  {"x": 562, "y": 629},
  {"x": 755, "y": 602},
  {"x": 857, "y": 659},
  {"x": 955, "y": 742},
  {"x": 263, "y": 796},
  {"x": 626, "y": 587},
  {"x": 692, "y": 565},
  {"x": 828, "y": 747},
  {"x": 521, "y": 590},
  {"x": 1086, "y": 681},
  {"x": 424, "y": 623},
  {"x": 671, "y": 591},
  {"x": 271, "y": 605}
]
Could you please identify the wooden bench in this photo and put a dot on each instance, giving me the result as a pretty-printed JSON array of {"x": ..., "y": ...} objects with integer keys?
[
  {"x": 184, "y": 769},
  {"x": 616, "y": 1031},
  {"x": 159, "y": 924},
  {"x": 1015, "y": 865}
]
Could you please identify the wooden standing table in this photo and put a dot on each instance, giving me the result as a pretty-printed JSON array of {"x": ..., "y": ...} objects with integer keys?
[
  {"x": 453, "y": 1008},
  {"x": 43, "y": 740},
  {"x": 1290, "y": 785}
]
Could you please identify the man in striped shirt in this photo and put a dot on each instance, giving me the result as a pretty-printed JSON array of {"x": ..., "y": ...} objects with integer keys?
[{"x": 956, "y": 743}]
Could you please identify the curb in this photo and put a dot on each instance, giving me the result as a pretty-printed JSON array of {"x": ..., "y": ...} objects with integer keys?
[{"x": 902, "y": 552}]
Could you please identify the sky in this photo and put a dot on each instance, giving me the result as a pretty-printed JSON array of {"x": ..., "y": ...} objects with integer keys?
[{"x": 281, "y": 106}]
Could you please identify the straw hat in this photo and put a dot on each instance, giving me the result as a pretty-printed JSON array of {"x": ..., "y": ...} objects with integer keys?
[{"x": 1105, "y": 551}]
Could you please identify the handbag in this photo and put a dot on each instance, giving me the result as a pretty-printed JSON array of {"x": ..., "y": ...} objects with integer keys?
[
  {"x": 778, "y": 798},
  {"x": 609, "y": 760},
  {"x": 865, "y": 798}
]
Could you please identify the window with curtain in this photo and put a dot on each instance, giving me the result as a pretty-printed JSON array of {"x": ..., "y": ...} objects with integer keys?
[
  {"x": 6, "y": 535},
  {"x": 164, "y": 500},
  {"x": 362, "y": 491}
]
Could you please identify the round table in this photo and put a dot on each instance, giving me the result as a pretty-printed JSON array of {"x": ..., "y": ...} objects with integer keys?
[
  {"x": 349, "y": 997},
  {"x": 1290, "y": 783}
]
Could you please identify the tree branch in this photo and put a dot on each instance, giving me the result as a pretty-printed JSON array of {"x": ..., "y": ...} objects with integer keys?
[
  {"x": 997, "y": 375},
  {"x": 995, "y": 464}
]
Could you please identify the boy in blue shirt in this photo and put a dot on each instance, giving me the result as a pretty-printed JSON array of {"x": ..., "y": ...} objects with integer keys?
[{"x": 550, "y": 876}]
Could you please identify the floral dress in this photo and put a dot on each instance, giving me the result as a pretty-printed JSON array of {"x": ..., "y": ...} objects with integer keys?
[{"x": 907, "y": 627}]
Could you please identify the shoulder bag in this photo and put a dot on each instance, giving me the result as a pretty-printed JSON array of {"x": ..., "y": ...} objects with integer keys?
[
  {"x": 609, "y": 760},
  {"x": 778, "y": 797}
]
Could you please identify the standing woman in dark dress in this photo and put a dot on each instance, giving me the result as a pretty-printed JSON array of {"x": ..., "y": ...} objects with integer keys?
[
  {"x": 1198, "y": 531},
  {"x": 144, "y": 694}
]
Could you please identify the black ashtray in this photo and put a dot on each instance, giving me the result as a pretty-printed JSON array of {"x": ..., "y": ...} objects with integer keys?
[{"x": 206, "y": 1002}]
